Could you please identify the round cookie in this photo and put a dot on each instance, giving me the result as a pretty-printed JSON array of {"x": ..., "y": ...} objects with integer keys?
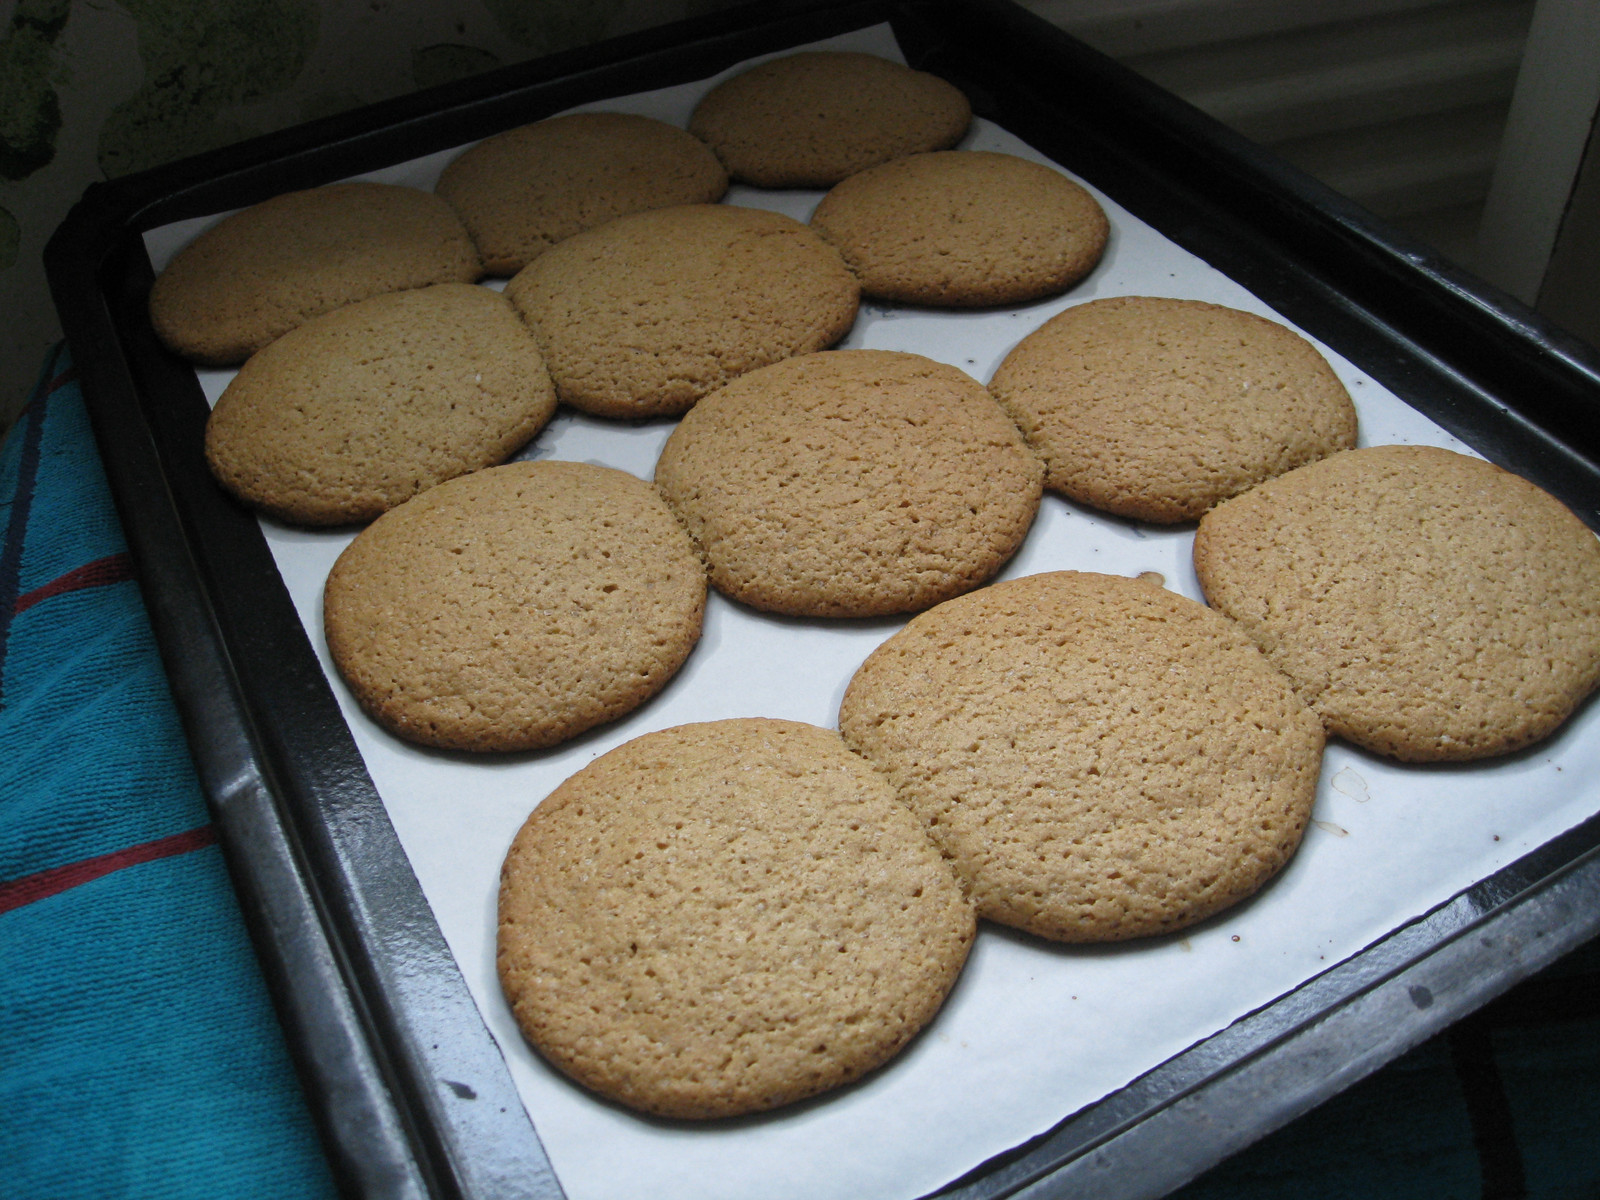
[
  {"x": 963, "y": 228},
  {"x": 851, "y": 483},
  {"x": 723, "y": 918},
  {"x": 357, "y": 410},
  {"x": 520, "y": 192},
  {"x": 515, "y": 607},
  {"x": 261, "y": 271},
  {"x": 1427, "y": 605},
  {"x": 1102, "y": 759},
  {"x": 1156, "y": 409},
  {"x": 811, "y": 119},
  {"x": 642, "y": 316}
]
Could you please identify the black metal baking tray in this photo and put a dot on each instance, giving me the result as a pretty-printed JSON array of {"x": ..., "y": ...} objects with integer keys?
[{"x": 411, "y": 1094}]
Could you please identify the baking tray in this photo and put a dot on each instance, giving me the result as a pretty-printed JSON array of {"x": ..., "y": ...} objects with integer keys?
[{"x": 411, "y": 1092}]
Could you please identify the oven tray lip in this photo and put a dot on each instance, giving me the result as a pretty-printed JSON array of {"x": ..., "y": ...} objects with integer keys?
[{"x": 410, "y": 1092}]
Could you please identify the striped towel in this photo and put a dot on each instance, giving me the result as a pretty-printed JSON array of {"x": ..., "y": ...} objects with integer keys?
[{"x": 139, "y": 1055}]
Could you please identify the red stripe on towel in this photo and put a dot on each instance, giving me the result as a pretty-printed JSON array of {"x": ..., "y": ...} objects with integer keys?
[
  {"x": 70, "y": 375},
  {"x": 30, "y": 888},
  {"x": 114, "y": 568}
]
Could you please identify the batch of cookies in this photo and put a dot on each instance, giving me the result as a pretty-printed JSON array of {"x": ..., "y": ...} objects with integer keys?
[{"x": 721, "y": 918}]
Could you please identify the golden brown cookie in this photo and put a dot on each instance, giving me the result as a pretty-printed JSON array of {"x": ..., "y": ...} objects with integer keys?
[
  {"x": 1157, "y": 409},
  {"x": 1427, "y": 605},
  {"x": 357, "y": 410},
  {"x": 520, "y": 192},
  {"x": 722, "y": 918},
  {"x": 1101, "y": 758},
  {"x": 515, "y": 607},
  {"x": 260, "y": 272},
  {"x": 851, "y": 483},
  {"x": 963, "y": 228},
  {"x": 642, "y": 316},
  {"x": 811, "y": 119}
]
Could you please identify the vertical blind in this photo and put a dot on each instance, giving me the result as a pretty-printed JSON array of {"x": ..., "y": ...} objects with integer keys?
[{"x": 1398, "y": 104}]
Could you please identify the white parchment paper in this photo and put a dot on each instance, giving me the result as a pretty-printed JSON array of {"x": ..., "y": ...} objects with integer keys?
[{"x": 1032, "y": 1031}]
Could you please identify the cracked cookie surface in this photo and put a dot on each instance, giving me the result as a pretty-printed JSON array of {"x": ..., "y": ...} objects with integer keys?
[
  {"x": 642, "y": 316},
  {"x": 521, "y": 191},
  {"x": 721, "y": 918},
  {"x": 1157, "y": 409},
  {"x": 811, "y": 119},
  {"x": 358, "y": 410},
  {"x": 963, "y": 229},
  {"x": 1428, "y": 605},
  {"x": 261, "y": 271},
  {"x": 1101, "y": 758},
  {"x": 515, "y": 607},
  {"x": 851, "y": 483}
]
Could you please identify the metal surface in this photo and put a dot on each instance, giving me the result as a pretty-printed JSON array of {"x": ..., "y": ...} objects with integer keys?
[{"x": 410, "y": 1091}]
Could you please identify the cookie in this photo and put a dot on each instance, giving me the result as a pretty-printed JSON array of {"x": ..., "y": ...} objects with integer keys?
[
  {"x": 1102, "y": 759},
  {"x": 642, "y": 316},
  {"x": 260, "y": 272},
  {"x": 962, "y": 229},
  {"x": 723, "y": 918},
  {"x": 515, "y": 607},
  {"x": 851, "y": 483},
  {"x": 811, "y": 119},
  {"x": 520, "y": 192},
  {"x": 1427, "y": 605},
  {"x": 1157, "y": 409},
  {"x": 357, "y": 410}
]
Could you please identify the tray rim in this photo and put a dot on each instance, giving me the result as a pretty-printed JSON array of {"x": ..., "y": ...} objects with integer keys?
[{"x": 384, "y": 1131}]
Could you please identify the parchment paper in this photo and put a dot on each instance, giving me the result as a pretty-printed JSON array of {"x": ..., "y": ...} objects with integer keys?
[{"x": 1032, "y": 1031}]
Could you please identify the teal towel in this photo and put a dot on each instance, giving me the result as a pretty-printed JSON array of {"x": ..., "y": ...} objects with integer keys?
[{"x": 139, "y": 1054}]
